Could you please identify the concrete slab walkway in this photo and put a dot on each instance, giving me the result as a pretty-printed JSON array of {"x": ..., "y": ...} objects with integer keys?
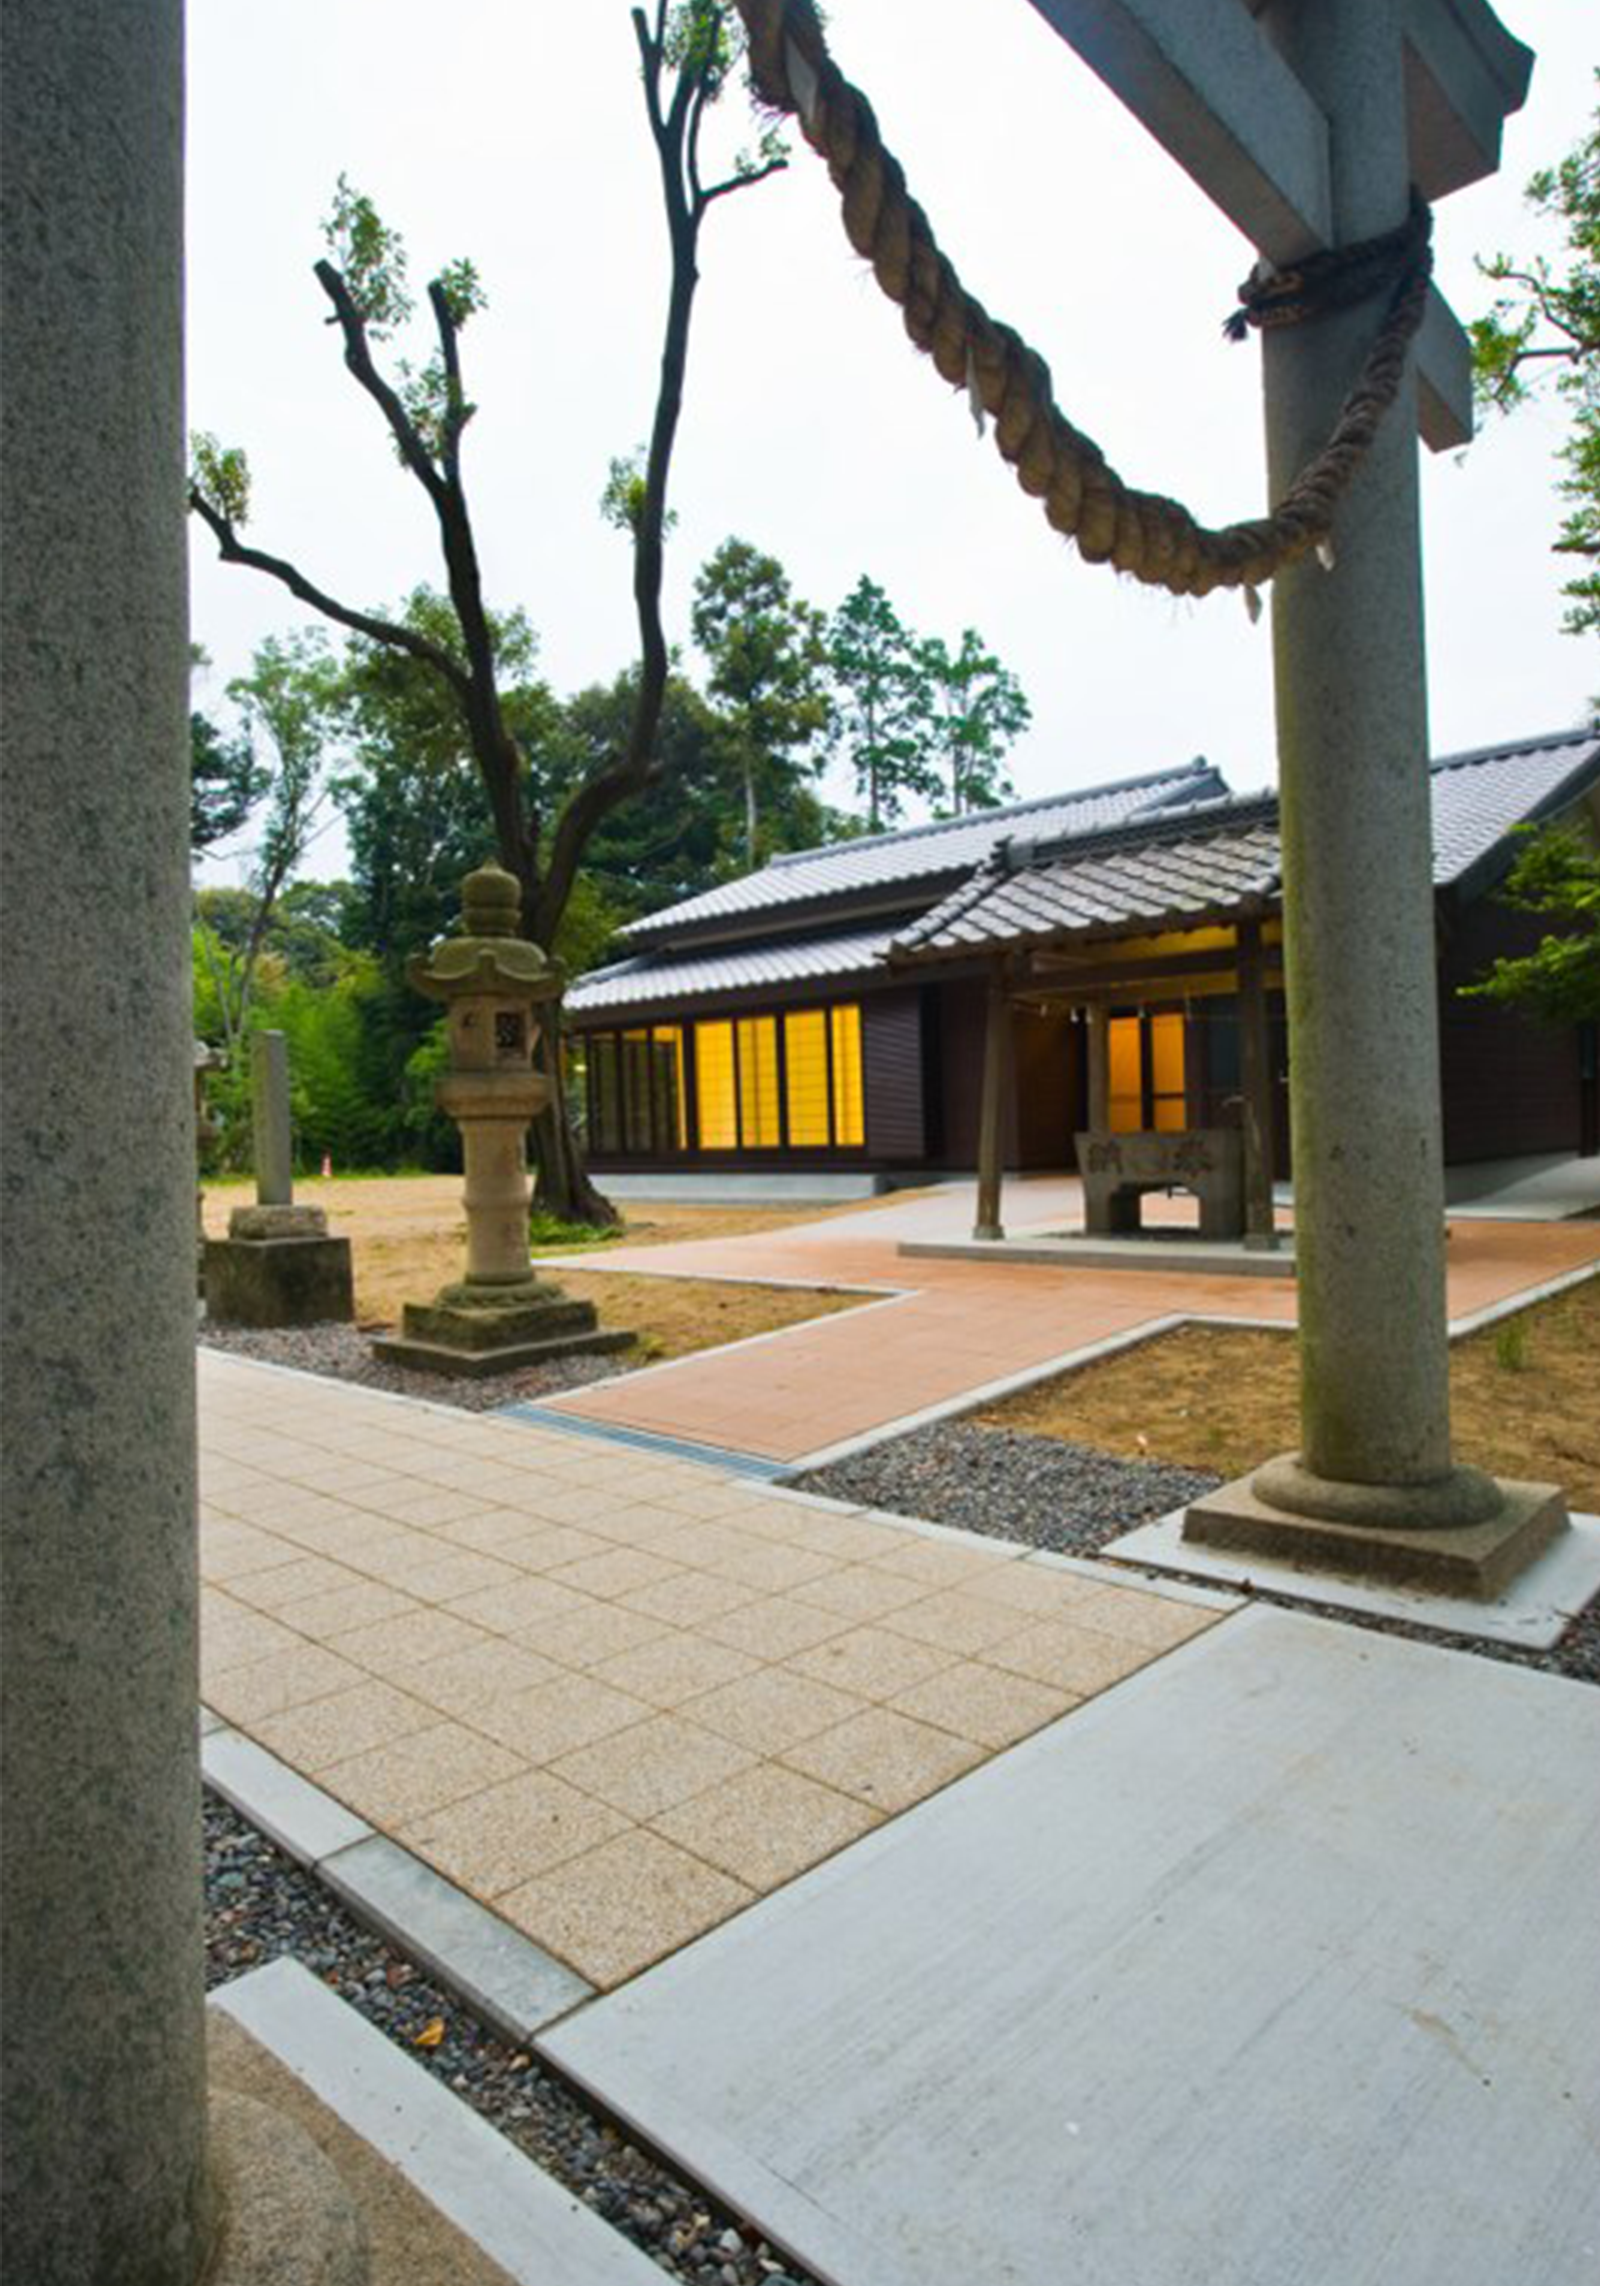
[
  {"x": 613, "y": 1697},
  {"x": 949, "y": 1331},
  {"x": 1276, "y": 1965}
]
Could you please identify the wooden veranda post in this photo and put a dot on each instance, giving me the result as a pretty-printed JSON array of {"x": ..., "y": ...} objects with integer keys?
[
  {"x": 1255, "y": 1089},
  {"x": 991, "y": 1122},
  {"x": 1098, "y": 1108}
]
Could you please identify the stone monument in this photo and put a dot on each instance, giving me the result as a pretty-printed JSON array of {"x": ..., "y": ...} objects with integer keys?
[
  {"x": 277, "y": 1266},
  {"x": 206, "y": 1131},
  {"x": 500, "y": 1316}
]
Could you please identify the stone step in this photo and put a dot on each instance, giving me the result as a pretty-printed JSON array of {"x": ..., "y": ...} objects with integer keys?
[{"x": 510, "y": 1357}]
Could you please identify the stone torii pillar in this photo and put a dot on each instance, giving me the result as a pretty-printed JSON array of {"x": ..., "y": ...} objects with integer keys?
[
  {"x": 1309, "y": 124},
  {"x": 117, "y": 2170}
]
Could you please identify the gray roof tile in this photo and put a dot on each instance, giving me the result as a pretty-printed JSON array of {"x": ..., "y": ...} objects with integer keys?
[
  {"x": 648, "y": 980},
  {"x": 1169, "y": 859},
  {"x": 890, "y": 861},
  {"x": 1479, "y": 797},
  {"x": 1210, "y": 856}
]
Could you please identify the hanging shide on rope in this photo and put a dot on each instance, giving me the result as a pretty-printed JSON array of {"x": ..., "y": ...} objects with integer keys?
[{"x": 1151, "y": 538}]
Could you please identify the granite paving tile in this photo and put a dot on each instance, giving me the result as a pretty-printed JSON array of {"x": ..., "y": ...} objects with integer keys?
[
  {"x": 284, "y": 1679},
  {"x": 322, "y": 1731},
  {"x": 766, "y": 1825},
  {"x": 953, "y": 1620},
  {"x": 871, "y": 1661},
  {"x": 1072, "y": 1658},
  {"x": 512, "y": 1831},
  {"x": 673, "y": 1667},
  {"x": 396, "y": 1647},
  {"x": 553, "y": 1718},
  {"x": 405, "y": 1779},
  {"x": 983, "y": 1703},
  {"x": 774, "y": 1628},
  {"x": 492, "y": 1668},
  {"x": 345, "y": 1609},
  {"x": 616, "y": 1909},
  {"x": 884, "y": 1758},
  {"x": 654, "y": 1765},
  {"x": 689, "y": 1598},
  {"x": 597, "y": 1631},
  {"x": 772, "y": 1709},
  {"x": 507, "y": 1611}
]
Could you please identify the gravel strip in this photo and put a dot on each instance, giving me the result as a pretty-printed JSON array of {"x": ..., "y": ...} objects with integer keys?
[
  {"x": 261, "y": 1906},
  {"x": 1050, "y": 1493},
  {"x": 1007, "y": 1482},
  {"x": 344, "y": 1353}
]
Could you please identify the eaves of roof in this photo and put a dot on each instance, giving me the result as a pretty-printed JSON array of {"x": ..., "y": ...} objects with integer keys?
[
  {"x": 647, "y": 982},
  {"x": 880, "y": 873},
  {"x": 1181, "y": 876}
]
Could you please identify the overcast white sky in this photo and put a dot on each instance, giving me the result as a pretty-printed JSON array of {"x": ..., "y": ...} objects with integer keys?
[{"x": 512, "y": 130}]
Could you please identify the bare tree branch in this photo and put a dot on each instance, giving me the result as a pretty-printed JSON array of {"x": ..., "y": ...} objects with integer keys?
[
  {"x": 742, "y": 182},
  {"x": 358, "y": 358},
  {"x": 233, "y": 550}
]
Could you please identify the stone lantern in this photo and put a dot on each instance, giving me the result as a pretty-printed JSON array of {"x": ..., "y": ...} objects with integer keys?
[{"x": 493, "y": 983}]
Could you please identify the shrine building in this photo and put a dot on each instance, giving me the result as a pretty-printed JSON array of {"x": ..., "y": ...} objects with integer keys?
[{"x": 828, "y": 1015}]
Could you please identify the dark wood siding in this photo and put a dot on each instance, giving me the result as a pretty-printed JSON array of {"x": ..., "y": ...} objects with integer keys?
[
  {"x": 1510, "y": 1084},
  {"x": 1044, "y": 1063},
  {"x": 961, "y": 1020},
  {"x": 891, "y": 1056}
]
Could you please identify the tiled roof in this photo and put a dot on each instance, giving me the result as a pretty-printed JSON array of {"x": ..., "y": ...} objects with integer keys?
[
  {"x": 650, "y": 980},
  {"x": 921, "y": 854},
  {"x": 1203, "y": 860},
  {"x": 1166, "y": 862},
  {"x": 1479, "y": 797},
  {"x": 1207, "y": 861}
]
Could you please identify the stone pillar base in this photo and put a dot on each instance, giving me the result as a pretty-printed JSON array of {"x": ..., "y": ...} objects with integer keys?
[
  {"x": 278, "y": 1267},
  {"x": 1381, "y": 1532},
  {"x": 285, "y": 2217},
  {"x": 474, "y": 1331}
]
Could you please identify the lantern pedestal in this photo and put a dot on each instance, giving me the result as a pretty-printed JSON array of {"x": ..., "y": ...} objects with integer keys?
[
  {"x": 500, "y": 1317},
  {"x": 499, "y": 1330}
]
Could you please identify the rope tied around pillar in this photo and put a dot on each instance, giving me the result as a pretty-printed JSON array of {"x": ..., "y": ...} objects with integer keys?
[
  {"x": 1319, "y": 283},
  {"x": 1146, "y": 535}
]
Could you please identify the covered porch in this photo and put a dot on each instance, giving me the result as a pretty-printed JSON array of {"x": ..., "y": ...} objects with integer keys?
[{"x": 1141, "y": 990}]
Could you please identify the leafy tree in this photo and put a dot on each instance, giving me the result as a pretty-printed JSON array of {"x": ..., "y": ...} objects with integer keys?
[
  {"x": 411, "y": 793},
  {"x": 768, "y": 654},
  {"x": 1546, "y": 326},
  {"x": 978, "y": 709},
  {"x": 225, "y": 783},
  {"x": 287, "y": 704},
  {"x": 680, "y": 834},
  {"x": 687, "y": 52},
  {"x": 881, "y": 702},
  {"x": 1556, "y": 874}
]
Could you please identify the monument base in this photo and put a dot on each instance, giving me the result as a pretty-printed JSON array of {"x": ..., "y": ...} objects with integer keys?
[
  {"x": 278, "y": 1267},
  {"x": 474, "y": 1331},
  {"x": 1476, "y": 1559}
]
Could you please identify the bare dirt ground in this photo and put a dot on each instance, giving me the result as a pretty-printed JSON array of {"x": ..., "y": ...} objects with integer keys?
[
  {"x": 1524, "y": 1403},
  {"x": 408, "y": 1232}
]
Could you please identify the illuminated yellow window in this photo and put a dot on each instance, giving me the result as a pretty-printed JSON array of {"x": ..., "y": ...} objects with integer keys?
[
  {"x": 1169, "y": 1103},
  {"x": 669, "y": 1111},
  {"x": 805, "y": 1054},
  {"x": 714, "y": 1093},
  {"x": 1125, "y": 1068},
  {"x": 758, "y": 1083},
  {"x": 849, "y": 1123},
  {"x": 636, "y": 1091}
]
